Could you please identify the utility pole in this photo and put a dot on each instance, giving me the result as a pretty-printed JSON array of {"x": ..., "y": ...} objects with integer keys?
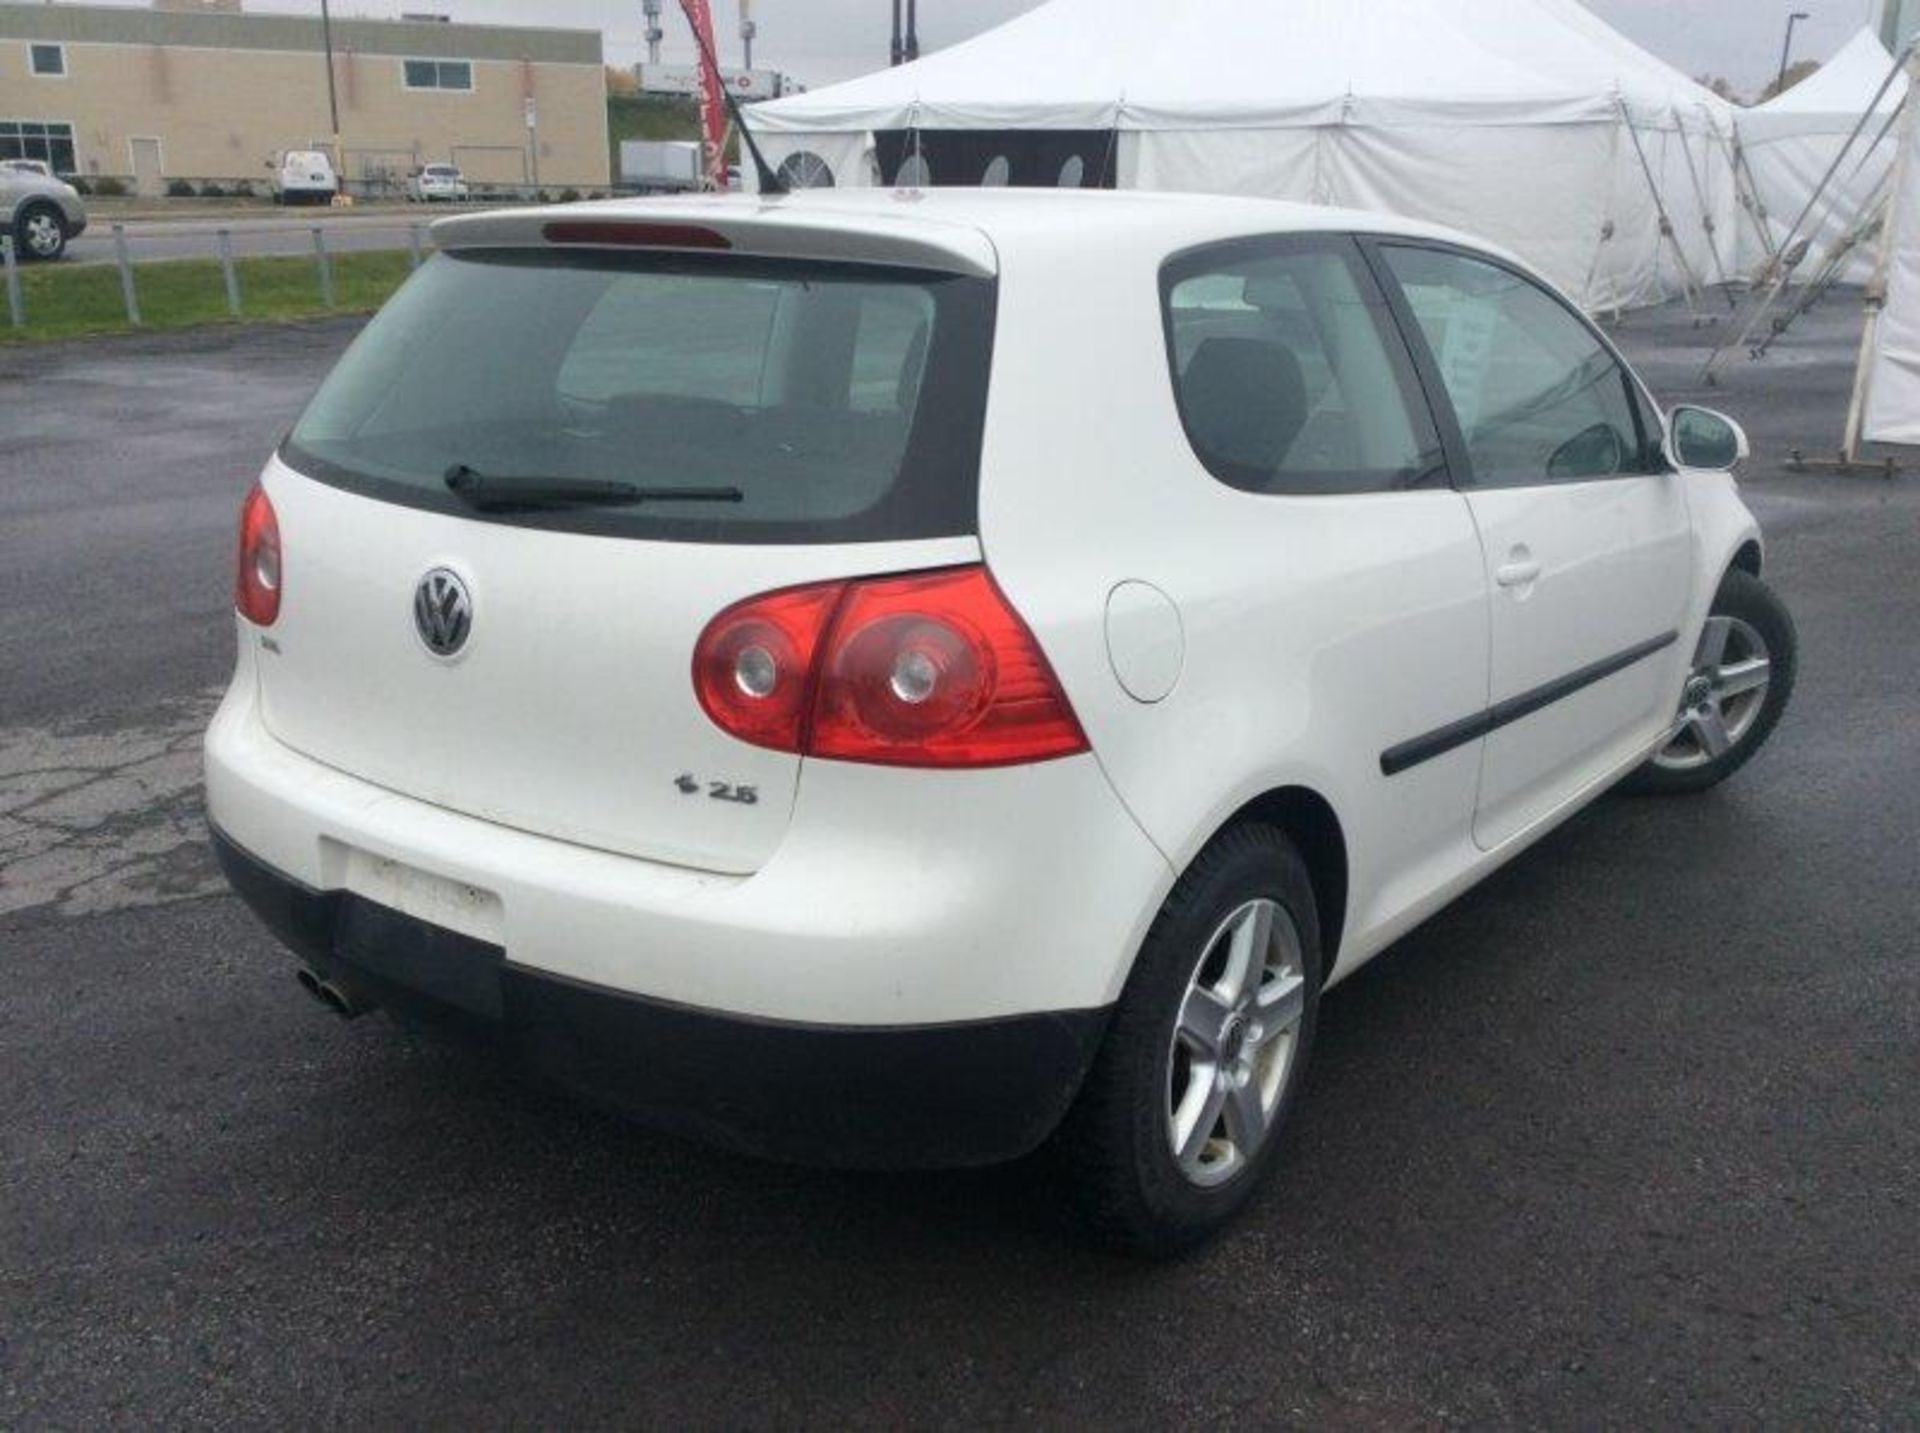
[
  {"x": 748, "y": 30},
  {"x": 911, "y": 50},
  {"x": 1786, "y": 50},
  {"x": 654, "y": 34},
  {"x": 333, "y": 100},
  {"x": 898, "y": 53}
]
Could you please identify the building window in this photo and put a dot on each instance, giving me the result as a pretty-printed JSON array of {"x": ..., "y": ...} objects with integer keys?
[
  {"x": 51, "y": 144},
  {"x": 47, "y": 60},
  {"x": 439, "y": 74}
]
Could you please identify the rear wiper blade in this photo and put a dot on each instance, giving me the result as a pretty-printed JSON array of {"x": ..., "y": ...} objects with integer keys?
[{"x": 485, "y": 491}]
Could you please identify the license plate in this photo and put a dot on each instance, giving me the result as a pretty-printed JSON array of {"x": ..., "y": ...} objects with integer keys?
[{"x": 451, "y": 905}]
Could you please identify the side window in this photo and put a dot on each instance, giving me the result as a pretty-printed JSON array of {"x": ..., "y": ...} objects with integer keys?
[
  {"x": 1289, "y": 375},
  {"x": 1539, "y": 397}
]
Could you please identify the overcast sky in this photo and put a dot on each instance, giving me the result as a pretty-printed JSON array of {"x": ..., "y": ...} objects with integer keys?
[{"x": 819, "y": 41}]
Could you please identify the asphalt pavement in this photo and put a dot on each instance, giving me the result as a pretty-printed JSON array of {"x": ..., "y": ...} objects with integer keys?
[{"x": 1629, "y": 1136}]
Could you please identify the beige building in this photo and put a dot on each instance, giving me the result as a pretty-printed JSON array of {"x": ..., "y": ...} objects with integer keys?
[{"x": 204, "y": 92}]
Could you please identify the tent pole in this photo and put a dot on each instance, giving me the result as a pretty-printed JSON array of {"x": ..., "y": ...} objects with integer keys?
[
  {"x": 1689, "y": 285},
  {"x": 1873, "y": 107},
  {"x": 1876, "y": 299},
  {"x": 1607, "y": 226},
  {"x": 1836, "y": 194},
  {"x": 1832, "y": 265},
  {"x": 1706, "y": 212},
  {"x": 1747, "y": 192},
  {"x": 1776, "y": 276}
]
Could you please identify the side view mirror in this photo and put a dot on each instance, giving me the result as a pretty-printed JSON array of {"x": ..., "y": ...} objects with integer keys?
[{"x": 1701, "y": 438}]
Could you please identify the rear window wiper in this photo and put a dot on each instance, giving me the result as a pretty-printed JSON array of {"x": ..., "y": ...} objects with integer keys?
[{"x": 487, "y": 492}]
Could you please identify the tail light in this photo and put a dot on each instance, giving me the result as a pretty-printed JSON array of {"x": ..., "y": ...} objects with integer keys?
[
  {"x": 934, "y": 669},
  {"x": 256, "y": 582}
]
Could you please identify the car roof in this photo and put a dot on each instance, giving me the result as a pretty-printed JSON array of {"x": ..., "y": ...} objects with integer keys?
[{"x": 974, "y": 230}]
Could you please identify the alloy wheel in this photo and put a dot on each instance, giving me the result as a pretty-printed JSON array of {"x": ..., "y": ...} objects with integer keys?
[
  {"x": 43, "y": 235},
  {"x": 1234, "y": 1043},
  {"x": 1723, "y": 698}
]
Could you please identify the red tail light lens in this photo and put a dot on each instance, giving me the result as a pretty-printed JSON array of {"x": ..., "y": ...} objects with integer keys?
[
  {"x": 256, "y": 582},
  {"x": 754, "y": 667},
  {"x": 938, "y": 670},
  {"x": 935, "y": 669}
]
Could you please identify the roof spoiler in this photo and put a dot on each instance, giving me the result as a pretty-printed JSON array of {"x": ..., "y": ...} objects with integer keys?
[{"x": 781, "y": 230}]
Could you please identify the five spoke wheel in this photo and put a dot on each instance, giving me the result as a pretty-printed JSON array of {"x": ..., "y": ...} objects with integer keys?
[
  {"x": 1234, "y": 1042},
  {"x": 1724, "y": 695}
]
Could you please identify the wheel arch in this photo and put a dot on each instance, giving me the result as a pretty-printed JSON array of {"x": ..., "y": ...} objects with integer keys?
[
  {"x": 1749, "y": 558},
  {"x": 1310, "y": 822}
]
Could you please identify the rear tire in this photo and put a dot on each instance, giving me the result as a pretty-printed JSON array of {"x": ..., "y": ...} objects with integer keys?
[
  {"x": 1178, "y": 1124},
  {"x": 1737, "y": 688},
  {"x": 40, "y": 233}
]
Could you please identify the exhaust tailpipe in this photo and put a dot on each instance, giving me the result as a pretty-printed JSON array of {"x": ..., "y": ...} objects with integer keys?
[{"x": 340, "y": 998}]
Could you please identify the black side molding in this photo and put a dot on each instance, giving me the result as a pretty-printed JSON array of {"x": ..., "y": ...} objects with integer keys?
[{"x": 1439, "y": 742}]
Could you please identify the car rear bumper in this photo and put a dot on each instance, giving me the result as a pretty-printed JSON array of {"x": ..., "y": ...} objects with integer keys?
[
  {"x": 977, "y": 1092},
  {"x": 892, "y": 899}
]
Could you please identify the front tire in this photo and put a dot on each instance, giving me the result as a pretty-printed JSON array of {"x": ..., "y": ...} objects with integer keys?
[
  {"x": 1178, "y": 1124},
  {"x": 1737, "y": 688},
  {"x": 40, "y": 233}
]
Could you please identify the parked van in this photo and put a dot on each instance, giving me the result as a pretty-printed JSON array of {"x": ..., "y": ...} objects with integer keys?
[
  {"x": 435, "y": 182},
  {"x": 304, "y": 176}
]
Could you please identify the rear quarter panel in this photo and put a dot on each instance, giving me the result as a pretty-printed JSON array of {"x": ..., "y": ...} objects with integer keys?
[{"x": 1303, "y": 659}]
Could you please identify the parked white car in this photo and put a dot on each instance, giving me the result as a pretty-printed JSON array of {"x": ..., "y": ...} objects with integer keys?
[
  {"x": 304, "y": 176},
  {"x": 662, "y": 646},
  {"x": 437, "y": 183}
]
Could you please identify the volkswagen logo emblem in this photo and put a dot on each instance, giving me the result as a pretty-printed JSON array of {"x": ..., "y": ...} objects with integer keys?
[{"x": 443, "y": 612}]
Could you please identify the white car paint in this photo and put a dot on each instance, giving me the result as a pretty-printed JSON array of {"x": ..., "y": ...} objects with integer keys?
[
  {"x": 433, "y": 182},
  {"x": 1312, "y": 633},
  {"x": 304, "y": 176}
]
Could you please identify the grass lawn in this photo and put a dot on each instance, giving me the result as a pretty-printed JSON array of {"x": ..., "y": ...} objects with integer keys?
[{"x": 71, "y": 300}]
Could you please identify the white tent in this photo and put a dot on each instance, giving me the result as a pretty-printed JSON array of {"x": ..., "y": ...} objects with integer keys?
[
  {"x": 1794, "y": 139},
  {"x": 1529, "y": 122}
]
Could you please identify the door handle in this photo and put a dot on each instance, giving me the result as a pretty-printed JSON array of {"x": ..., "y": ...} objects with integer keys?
[{"x": 1521, "y": 572}]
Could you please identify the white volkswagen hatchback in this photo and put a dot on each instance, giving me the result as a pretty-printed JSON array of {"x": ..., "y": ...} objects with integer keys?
[{"x": 893, "y": 679}]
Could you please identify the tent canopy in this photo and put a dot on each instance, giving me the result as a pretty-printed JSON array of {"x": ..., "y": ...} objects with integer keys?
[
  {"x": 1213, "y": 64},
  {"x": 1822, "y": 132},
  {"x": 1842, "y": 88},
  {"x": 1529, "y": 122}
]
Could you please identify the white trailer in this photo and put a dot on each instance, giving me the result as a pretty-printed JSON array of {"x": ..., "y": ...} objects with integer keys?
[{"x": 658, "y": 166}]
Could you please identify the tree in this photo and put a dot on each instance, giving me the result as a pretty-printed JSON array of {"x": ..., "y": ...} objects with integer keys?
[
  {"x": 1721, "y": 86},
  {"x": 621, "y": 81},
  {"x": 1796, "y": 72}
]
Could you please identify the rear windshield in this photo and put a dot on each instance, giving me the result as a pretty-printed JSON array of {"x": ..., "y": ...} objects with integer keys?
[{"x": 830, "y": 403}]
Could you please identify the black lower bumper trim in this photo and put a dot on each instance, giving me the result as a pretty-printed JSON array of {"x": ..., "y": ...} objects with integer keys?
[{"x": 907, "y": 1097}]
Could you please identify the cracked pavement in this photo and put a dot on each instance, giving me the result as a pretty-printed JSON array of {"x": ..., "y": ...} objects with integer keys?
[
  {"x": 97, "y": 818},
  {"x": 1624, "y": 1138}
]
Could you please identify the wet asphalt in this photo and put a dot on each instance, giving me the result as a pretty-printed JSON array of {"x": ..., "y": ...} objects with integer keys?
[{"x": 1629, "y": 1136}]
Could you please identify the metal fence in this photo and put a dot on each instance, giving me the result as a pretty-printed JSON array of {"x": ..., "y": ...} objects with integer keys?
[{"x": 409, "y": 236}]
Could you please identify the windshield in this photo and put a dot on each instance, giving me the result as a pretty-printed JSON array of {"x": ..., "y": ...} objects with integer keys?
[
  {"x": 844, "y": 404},
  {"x": 436, "y": 171}
]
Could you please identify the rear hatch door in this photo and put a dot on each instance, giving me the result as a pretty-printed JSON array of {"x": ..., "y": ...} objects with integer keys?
[{"x": 796, "y": 420}]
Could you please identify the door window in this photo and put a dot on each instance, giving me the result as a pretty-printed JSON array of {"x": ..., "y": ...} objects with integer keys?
[
  {"x": 1289, "y": 376},
  {"x": 1539, "y": 397}
]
